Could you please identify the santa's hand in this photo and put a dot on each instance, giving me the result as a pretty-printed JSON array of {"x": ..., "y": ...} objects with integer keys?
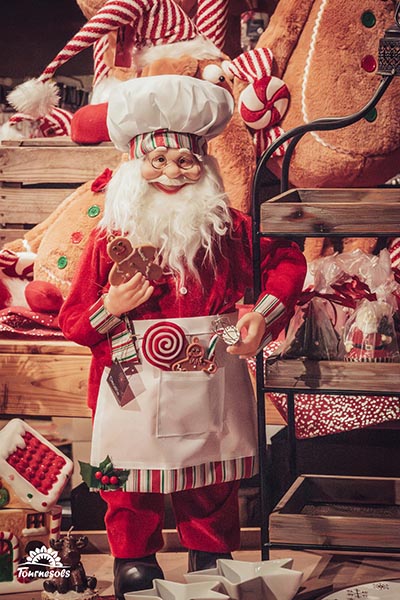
[
  {"x": 252, "y": 329},
  {"x": 127, "y": 296}
]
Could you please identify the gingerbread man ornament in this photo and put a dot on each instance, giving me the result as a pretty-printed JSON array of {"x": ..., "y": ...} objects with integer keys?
[{"x": 129, "y": 260}]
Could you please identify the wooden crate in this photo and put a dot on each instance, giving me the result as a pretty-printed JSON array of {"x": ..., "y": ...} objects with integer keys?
[
  {"x": 327, "y": 212},
  {"x": 36, "y": 175},
  {"x": 339, "y": 511},
  {"x": 303, "y": 375},
  {"x": 43, "y": 378}
]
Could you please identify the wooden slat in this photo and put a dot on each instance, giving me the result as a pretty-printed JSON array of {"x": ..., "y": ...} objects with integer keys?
[
  {"x": 56, "y": 142},
  {"x": 29, "y": 205},
  {"x": 42, "y": 347},
  {"x": 289, "y": 523},
  {"x": 349, "y": 195},
  {"x": 272, "y": 415},
  {"x": 44, "y": 385},
  {"x": 330, "y": 218},
  {"x": 61, "y": 164},
  {"x": 9, "y": 235},
  {"x": 303, "y": 375}
]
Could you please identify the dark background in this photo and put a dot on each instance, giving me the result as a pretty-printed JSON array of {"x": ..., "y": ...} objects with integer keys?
[{"x": 32, "y": 32}]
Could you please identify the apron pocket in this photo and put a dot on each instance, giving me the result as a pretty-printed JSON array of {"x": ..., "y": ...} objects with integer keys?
[{"x": 190, "y": 403}]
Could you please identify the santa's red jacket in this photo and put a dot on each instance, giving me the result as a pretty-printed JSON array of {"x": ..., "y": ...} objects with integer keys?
[{"x": 283, "y": 272}]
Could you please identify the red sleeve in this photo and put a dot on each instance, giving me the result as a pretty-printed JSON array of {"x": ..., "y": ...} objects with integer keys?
[
  {"x": 283, "y": 270},
  {"x": 88, "y": 285}
]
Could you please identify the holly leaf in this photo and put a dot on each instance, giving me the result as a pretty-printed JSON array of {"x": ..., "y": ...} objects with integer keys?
[
  {"x": 106, "y": 465},
  {"x": 87, "y": 474},
  {"x": 122, "y": 476}
]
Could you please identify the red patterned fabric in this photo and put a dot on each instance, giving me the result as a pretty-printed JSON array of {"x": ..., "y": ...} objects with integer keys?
[
  {"x": 252, "y": 65},
  {"x": 394, "y": 251},
  {"x": 20, "y": 322},
  {"x": 212, "y": 19},
  {"x": 12, "y": 265},
  {"x": 324, "y": 414},
  {"x": 56, "y": 122},
  {"x": 100, "y": 67},
  {"x": 154, "y": 23}
]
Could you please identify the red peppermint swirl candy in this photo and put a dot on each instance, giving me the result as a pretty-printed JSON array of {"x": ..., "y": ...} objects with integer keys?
[
  {"x": 163, "y": 344},
  {"x": 264, "y": 102}
]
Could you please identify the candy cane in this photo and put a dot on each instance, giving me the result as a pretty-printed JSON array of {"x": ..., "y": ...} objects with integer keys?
[
  {"x": 252, "y": 65},
  {"x": 212, "y": 20},
  {"x": 10, "y": 537},
  {"x": 394, "y": 252},
  {"x": 55, "y": 522}
]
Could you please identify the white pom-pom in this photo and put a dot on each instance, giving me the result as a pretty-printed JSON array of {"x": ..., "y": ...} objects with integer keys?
[
  {"x": 10, "y": 131},
  {"x": 34, "y": 97}
]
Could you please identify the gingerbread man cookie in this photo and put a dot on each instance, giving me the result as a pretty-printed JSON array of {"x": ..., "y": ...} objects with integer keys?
[
  {"x": 129, "y": 260},
  {"x": 195, "y": 360}
]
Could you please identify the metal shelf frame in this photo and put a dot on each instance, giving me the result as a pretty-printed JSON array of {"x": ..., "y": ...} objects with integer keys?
[{"x": 262, "y": 386}]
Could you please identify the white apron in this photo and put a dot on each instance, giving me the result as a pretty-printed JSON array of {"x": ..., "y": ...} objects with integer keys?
[{"x": 183, "y": 429}]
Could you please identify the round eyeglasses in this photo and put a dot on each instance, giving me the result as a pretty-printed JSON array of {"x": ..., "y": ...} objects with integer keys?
[{"x": 185, "y": 162}]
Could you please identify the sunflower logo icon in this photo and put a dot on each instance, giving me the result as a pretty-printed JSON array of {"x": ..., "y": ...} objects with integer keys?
[{"x": 43, "y": 557}]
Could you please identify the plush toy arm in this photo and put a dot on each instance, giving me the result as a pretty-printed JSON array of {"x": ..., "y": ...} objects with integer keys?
[
  {"x": 32, "y": 239},
  {"x": 283, "y": 31}
]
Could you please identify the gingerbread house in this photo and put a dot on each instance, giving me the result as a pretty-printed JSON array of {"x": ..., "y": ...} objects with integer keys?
[{"x": 33, "y": 473}]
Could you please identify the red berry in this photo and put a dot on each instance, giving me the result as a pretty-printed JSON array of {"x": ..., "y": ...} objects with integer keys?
[
  {"x": 114, "y": 480},
  {"x": 105, "y": 479},
  {"x": 98, "y": 474}
]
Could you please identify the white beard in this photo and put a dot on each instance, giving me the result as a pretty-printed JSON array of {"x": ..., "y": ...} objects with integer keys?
[{"x": 179, "y": 224}]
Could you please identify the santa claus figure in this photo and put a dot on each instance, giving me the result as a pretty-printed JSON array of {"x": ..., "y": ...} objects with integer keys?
[
  {"x": 184, "y": 420},
  {"x": 370, "y": 335}
]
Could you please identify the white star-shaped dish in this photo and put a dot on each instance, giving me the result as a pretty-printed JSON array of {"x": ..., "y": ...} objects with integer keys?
[
  {"x": 242, "y": 580},
  {"x": 169, "y": 590}
]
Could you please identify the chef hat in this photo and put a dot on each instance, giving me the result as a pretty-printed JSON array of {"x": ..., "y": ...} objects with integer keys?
[{"x": 167, "y": 110}]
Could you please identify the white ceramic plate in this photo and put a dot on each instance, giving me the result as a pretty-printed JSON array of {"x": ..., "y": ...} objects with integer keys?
[{"x": 379, "y": 590}]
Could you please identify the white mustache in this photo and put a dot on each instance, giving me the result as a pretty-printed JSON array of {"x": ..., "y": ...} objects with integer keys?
[{"x": 176, "y": 182}]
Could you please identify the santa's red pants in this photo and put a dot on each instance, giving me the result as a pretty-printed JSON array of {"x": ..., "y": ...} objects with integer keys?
[{"x": 206, "y": 519}]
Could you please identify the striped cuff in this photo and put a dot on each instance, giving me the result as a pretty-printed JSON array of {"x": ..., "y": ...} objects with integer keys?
[
  {"x": 272, "y": 309},
  {"x": 101, "y": 319}
]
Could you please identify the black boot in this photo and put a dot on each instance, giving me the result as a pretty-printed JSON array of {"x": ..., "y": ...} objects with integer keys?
[
  {"x": 200, "y": 560},
  {"x": 134, "y": 574}
]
